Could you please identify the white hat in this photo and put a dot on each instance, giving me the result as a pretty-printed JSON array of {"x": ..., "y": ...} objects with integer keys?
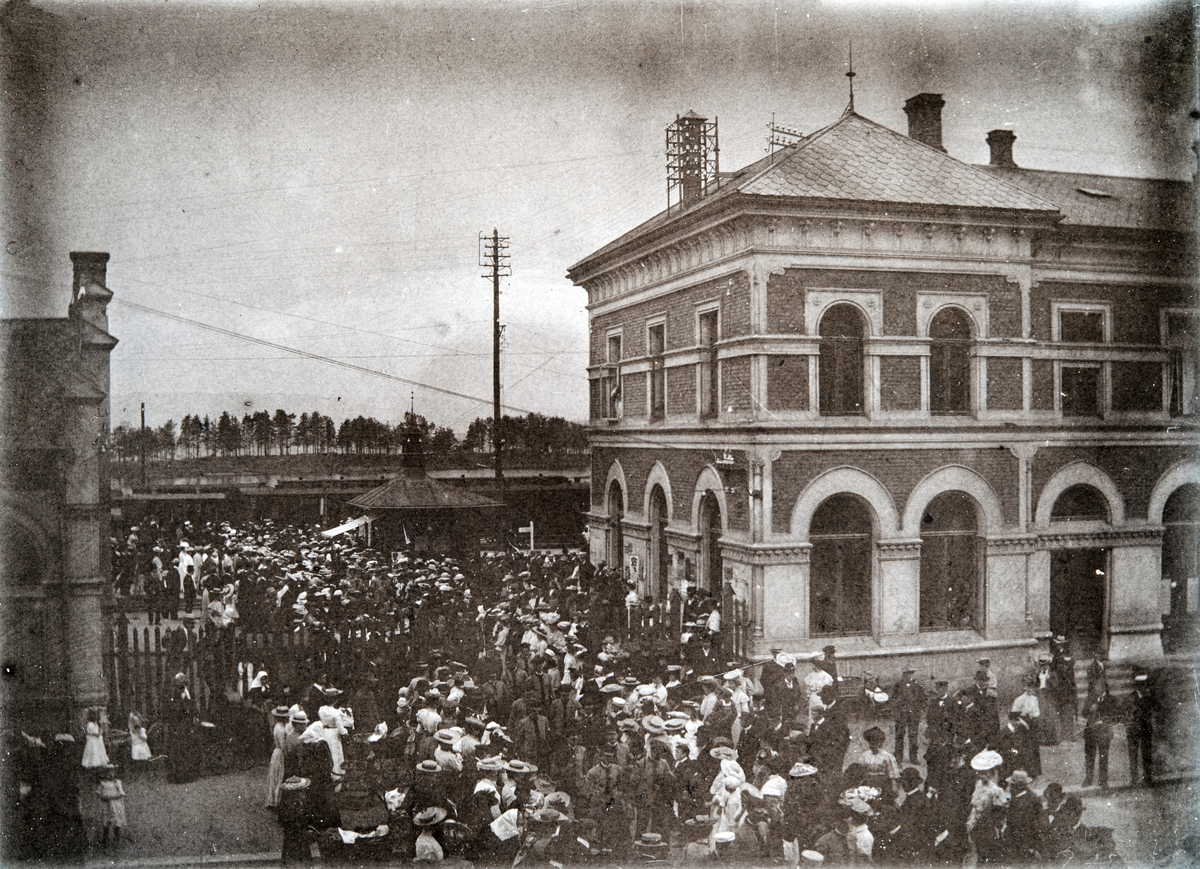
[{"x": 986, "y": 760}]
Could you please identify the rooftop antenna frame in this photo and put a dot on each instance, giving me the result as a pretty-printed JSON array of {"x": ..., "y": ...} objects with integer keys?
[
  {"x": 693, "y": 160},
  {"x": 781, "y": 136}
]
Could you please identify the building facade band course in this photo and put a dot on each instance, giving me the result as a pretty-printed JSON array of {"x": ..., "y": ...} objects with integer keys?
[{"x": 925, "y": 420}]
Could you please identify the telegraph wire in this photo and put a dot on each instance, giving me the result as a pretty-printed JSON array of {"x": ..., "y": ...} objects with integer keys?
[{"x": 317, "y": 357}]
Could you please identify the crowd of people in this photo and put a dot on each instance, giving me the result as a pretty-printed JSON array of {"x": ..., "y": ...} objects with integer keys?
[{"x": 494, "y": 711}]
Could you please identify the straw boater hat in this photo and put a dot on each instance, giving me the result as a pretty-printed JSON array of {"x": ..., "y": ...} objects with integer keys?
[
  {"x": 722, "y": 752},
  {"x": 520, "y": 766},
  {"x": 430, "y": 816},
  {"x": 446, "y": 736},
  {"x": 428, "y": 766},
  {"x": 654, "y": 724},
  {"x": 280, "y": 712},
  {"x": 800, "y": 770},
  {"x": 490, "y": 764}
]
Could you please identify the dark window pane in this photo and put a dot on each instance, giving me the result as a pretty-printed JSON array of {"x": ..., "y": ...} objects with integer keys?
[
  {"x": 658, "y": 374},
  {"x": 840, "y": 595},
  {"x": 1081, "y": 326},
  {"x": 951, "y": 564},
  {"x": 950, "y": 363},
  {"x": 841, "y": 362},
  {"x": 709, "y": 402},
  {"x": 1080, "y": 502},
  {"x": 1080, "y": 391}
]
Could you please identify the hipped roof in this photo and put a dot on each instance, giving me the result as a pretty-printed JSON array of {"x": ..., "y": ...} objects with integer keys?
[{"x": 857, "y": 160}]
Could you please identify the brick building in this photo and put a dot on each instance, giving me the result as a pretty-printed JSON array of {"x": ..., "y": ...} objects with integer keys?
[
  {"x": 930, "y": 410},
  {"x": 54, "y": 508}
]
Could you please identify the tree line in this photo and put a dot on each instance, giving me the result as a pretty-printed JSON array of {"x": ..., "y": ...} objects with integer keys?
[{"x": 533, "y": 437}]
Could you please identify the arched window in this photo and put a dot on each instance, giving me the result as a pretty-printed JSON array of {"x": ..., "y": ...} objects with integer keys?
[
  {"x": 841, "y": 362},
  {"x": 660, "y": 563},
  {"x": 950, "y": 362},
  {"x": 952, "y": 564},
  {"x": 615, "y": 536},
  {"x": 842, "y": 536},
  {"x": 1080, "y": 503},
  {"x": 1181, "y": 568},
  {"x": 710, "y": 549}
]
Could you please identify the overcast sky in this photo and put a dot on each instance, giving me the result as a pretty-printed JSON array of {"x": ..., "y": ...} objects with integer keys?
[{"x": 317, "y": 175}]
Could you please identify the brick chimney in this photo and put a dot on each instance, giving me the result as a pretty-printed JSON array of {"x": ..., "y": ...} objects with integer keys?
[
  {"x": 925, "y": 119},
  {"x": 1001, "y": 143},
  {"x": 89, "y": 295}
]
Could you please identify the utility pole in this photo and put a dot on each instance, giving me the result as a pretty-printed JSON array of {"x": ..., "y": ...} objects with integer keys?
[
  {"x": 493, "y": 254},
  {"x": 142, "y": 445}
]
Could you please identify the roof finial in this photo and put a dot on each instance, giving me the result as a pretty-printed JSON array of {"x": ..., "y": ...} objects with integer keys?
[
  {"x": 412, "y": 403},
  {"x": 850, "y": 75}
]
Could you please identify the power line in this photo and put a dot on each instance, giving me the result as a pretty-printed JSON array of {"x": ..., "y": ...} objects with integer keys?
[{"x": 317, "y": 357}]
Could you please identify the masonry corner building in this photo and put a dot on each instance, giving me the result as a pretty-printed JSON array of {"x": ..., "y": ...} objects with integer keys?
[{"x": 925, "y": 410}]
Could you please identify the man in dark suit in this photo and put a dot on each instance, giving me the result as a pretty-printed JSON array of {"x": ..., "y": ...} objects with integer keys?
[
  {"x": 909, "y": 700},
  {"x": 912, "y": 844},
  {"x": 1023, "y": 828},
  {"x": 1139, "y": 730},
  {"x": 1099, "y": 714},
  {"x": 979, "y": 712}
]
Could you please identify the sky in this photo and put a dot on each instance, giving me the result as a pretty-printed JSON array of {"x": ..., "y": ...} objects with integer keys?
[{"x": 315, "y": 176}]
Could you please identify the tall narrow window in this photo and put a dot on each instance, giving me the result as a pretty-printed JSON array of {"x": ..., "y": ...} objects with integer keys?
[
  {"x": 842, "y": 536},
  {"x": 950, "y": 363},
  {"x": 1081, "y": 390},
  {"x": 710, "y": 548},
  {"x": 1181, "y": 568},
  {"x": 660, "y": 557},
  {"x": 951, "y": 564},
  {"x": 611, "y": 382},
  {"x": 1184, "y": 382},
  {"x": 1081, "y": 384},
  {"x": 658, "y": 371},
  {"x": 615, "y": 536},
  {"x": 709, "y": 401},
  {"x": 841, "y": 362}
]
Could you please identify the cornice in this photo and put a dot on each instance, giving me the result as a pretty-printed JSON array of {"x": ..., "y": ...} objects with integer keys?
[
  {"x": 891, "y": 550},
  {"x": 1100, "y": 539},
  {"x": 857, "y": 233},
  {"x": 758, "y": 554},
  {"x": 1015, "y": 545}
]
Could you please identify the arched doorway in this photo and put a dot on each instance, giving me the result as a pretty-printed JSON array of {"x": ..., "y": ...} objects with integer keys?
[
  {"x": 615, "y": 537},
  {"x": 1181, "y": 567},
  {"x": 841, "y": 362},
  {"x": 952, "y": 564},
  {"x": 950, "y": 362},
  {"x": 709, "y": 578},
  {"x": 659, "y": 554},
  {"x": 1079, "y": 577},
  {"x": 842, "y": 535}
]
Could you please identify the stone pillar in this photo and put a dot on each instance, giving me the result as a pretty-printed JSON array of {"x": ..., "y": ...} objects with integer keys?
[
  {"x": 1017, "y": 594},
  {"x": 898, "y": 605},
  {"x": 785, "y": 580},
  {"x": 1038, "y": 589},
  {"x": 1135, "y": 623}
]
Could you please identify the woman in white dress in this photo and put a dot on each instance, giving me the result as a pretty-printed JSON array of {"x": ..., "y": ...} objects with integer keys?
[{"x": 275, "y": 768}]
